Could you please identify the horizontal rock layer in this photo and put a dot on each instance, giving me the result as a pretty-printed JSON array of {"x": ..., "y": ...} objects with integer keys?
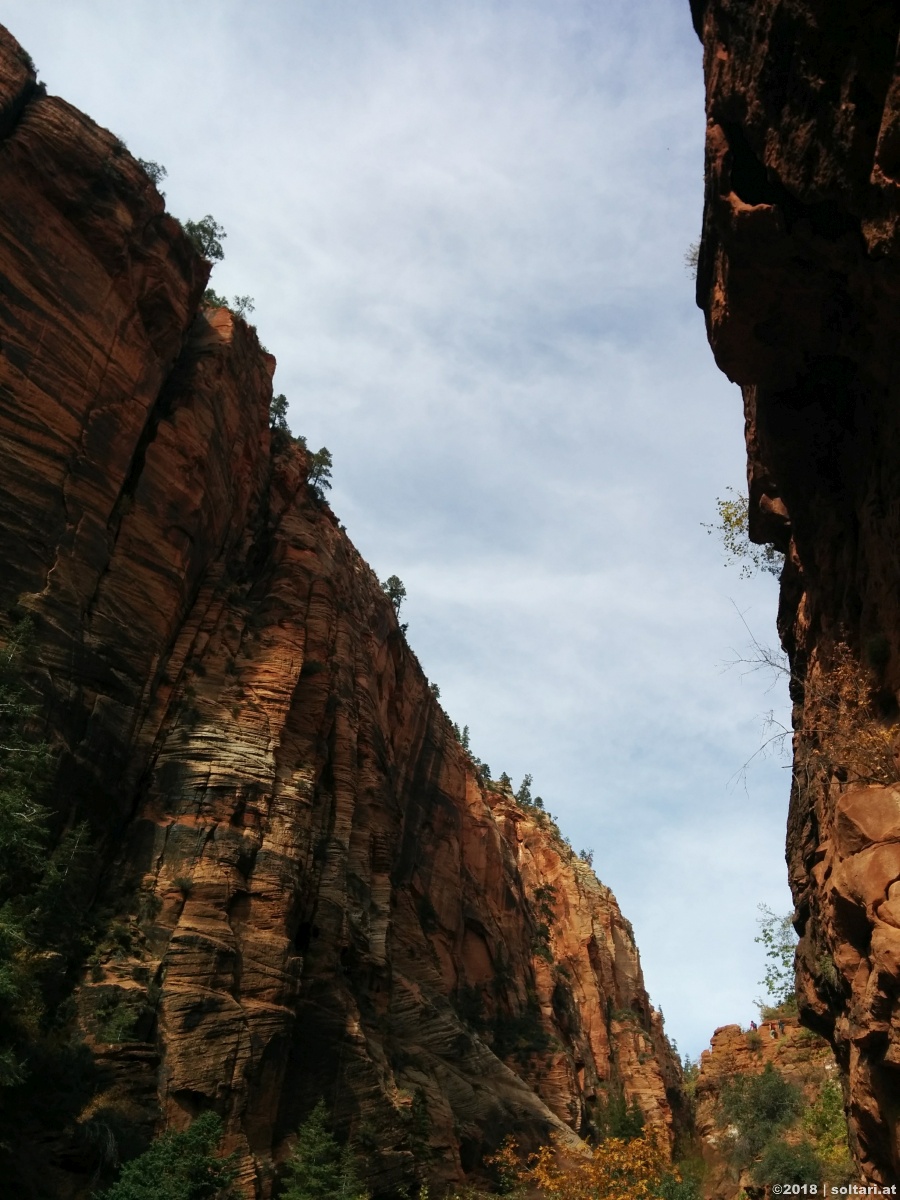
[
  {"x": 800, "y": 280},
  {"x": 314, "y": 894}
]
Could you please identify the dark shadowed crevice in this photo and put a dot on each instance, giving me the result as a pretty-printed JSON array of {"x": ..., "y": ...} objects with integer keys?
[
  {"x": 754, "y": 184},
  {"x": 12, "y": 112},
  {"x": 173, "y": 388}
]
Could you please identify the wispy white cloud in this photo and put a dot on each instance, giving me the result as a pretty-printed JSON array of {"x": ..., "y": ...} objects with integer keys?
[{"x": 463, "y": 223}]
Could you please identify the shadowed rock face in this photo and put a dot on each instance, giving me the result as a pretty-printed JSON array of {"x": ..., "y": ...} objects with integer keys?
[
  {"x": 313, "y": 894},
  {"x": 800, "y": 280}
]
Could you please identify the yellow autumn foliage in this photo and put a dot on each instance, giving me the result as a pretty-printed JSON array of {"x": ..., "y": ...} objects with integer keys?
[{"x": 616, "y": 1169}]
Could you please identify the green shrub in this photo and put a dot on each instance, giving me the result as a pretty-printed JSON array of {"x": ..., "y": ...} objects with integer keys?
[
  {"x": 179, "y": 1166},
  {"x": 147, "y": 908},
  {"x": 777, "y": 935},
  {"x": 624, "y": 1014},
  {"x": 797, "y": 1163},
  {"x": 154, "y": 171},
  {"x": 825, "y": 1123},
  {"x": 239, "y": 305},
  {"x": 759, "y": 1107},
  {"x": 542, "y": 950},
  {"x": 828, "y": 971},
  {"x": 685, "y": 1188},
  {"x": 520, "y": 1034},
  {"x": 544, "y": 899},
  {"x": 116, "y": 1017},
  {"x": 615, "y": 1117},
  {"x": 26, "y": 60},
  {"x": 544, "y": 917}
]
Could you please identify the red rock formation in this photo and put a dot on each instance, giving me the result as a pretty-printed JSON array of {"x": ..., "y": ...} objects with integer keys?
[
  {"x": 314, "y": 895},
  {"x": 799, "y": 278},
  {"x": 801, "y": 1057}
]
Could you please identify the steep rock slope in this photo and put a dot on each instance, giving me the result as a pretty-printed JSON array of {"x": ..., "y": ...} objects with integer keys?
[
  {"x": 313, "y": 893},
  {"x": 799, "y": 278}
]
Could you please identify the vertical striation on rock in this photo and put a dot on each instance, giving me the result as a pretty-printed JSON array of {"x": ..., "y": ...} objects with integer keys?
[
  {"x": 799, "y": 279},
  {"x": 312, "y": 893}
]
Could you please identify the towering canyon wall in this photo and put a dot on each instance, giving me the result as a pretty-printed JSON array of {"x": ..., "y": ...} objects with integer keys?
[
  {"x": 799, "y": 276},
  {"x": 308, "y": 890}
]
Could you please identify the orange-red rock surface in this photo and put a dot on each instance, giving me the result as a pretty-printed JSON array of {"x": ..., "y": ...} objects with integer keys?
[
  {"x": 313, "y": 894},
  {"x": 799, "y": 275},
  {"x": 804, "y": 1060}
]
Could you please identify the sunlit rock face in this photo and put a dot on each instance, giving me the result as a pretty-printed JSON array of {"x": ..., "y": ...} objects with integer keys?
[
  {"x": 312, "y": 892},
  {"x": 800, "y": 281},
  {"x": 803, "y": 1058}
]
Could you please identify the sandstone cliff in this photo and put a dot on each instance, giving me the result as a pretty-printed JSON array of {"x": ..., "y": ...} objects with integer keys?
[
  {"x": 803, "y": 1059},
  {"x": 799, "y": 278},
  {"x": 309, "y": 892}
]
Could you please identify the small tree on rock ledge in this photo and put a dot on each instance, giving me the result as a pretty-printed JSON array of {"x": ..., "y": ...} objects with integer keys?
[
  {"x": 733, "y": 527},
  {"x": 776, "y": 934},
  {"x": 394, "y": 590},
  {"x": 206, "y": 236},
  {"x": 320, "y": 465}
]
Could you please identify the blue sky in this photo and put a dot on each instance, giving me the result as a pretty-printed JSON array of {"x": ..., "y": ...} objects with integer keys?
[{"x": 463, "y": 225}]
